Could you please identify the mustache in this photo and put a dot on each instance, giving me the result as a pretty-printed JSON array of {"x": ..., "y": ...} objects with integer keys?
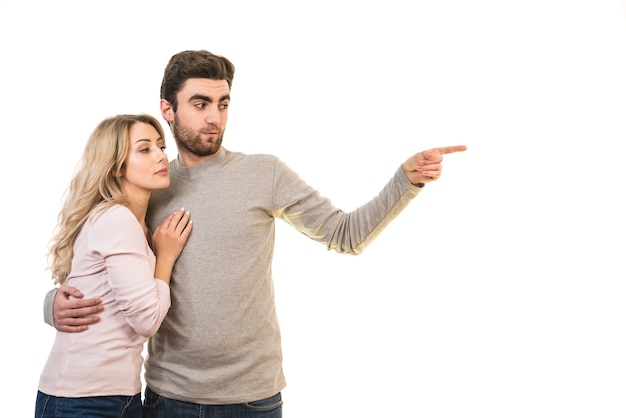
[{"x": 211, "y": 129}]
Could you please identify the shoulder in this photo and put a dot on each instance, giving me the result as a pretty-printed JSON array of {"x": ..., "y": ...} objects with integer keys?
[
  {"x": 252, "y": 161},
  {"x": 115, "y": 215},
  {"x": 241, "y": 156},
  {"x": 114, "y": 227}
]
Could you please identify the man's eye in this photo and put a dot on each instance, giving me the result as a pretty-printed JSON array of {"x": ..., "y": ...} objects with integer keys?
[
  {"x": 163, "y": 148},
  {"x": 224, "y": 106},
  {"x": 201, "y": 105}
]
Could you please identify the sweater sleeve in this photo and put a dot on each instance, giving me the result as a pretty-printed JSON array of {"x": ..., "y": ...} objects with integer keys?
[
  {"x": 120, "y": 241},
  {"x": 345, "y": 232},
  {"x": 48, "y": 313}
]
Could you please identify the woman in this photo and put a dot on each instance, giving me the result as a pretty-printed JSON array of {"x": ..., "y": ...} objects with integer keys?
[{"x": 103, "y": 247}]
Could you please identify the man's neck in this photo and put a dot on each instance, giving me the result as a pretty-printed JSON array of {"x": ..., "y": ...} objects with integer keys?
[{"x": 188, "y": 159}]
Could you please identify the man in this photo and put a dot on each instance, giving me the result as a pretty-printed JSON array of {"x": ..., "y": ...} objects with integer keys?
[{"x": 219, "y": 347}]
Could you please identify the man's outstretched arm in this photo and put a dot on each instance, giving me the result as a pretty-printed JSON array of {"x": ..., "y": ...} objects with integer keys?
[{"x": 70, "y": 315}]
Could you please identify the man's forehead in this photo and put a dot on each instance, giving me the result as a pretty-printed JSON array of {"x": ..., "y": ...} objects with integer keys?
[{"x": 206, "y": 85}]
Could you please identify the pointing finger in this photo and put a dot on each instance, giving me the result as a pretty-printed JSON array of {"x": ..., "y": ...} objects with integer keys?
[{"x": 452, "y": 149}]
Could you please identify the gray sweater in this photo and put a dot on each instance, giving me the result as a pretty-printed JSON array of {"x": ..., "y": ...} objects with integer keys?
[{"x": 220, "y": 342}]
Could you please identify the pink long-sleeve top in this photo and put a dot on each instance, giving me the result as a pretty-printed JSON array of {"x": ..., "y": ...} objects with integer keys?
[{"x": 112, "y": 260}]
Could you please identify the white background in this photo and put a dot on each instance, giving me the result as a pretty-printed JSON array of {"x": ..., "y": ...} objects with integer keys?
[{"x": 499, "y": 292}]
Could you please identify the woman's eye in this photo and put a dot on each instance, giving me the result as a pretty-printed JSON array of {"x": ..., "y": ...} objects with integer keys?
[
  {"x": 144, "y": 150},
  {"x": 163, "y": 148}
]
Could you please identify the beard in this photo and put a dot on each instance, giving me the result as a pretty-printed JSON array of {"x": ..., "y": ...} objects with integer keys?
[{"x": 190, "y": 141}]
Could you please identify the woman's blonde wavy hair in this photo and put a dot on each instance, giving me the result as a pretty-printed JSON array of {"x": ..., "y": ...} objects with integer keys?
[{"x": 95, "y": 183}]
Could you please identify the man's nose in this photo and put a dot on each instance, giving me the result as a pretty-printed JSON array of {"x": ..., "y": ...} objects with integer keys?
[{"x": 212, "y": 116}]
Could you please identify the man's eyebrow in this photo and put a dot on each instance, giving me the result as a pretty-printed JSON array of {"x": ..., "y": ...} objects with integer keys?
[{"x": 207, "y": 98}]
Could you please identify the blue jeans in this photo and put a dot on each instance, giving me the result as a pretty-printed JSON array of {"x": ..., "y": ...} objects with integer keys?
[
  {"x": 157, "y": 406},
  {"x": 93, "y": 407}
]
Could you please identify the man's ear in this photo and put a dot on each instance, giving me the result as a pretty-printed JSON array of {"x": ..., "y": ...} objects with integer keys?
[{"x": 166, "y": 111}]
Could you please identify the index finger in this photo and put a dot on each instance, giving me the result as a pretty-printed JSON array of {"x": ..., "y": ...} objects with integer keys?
[
  {"x": 175, "y": 217},
  {"x": 95, "y": 303},
  {"x": 451, "y": 149},
  {"x": 66, "y": 291}
]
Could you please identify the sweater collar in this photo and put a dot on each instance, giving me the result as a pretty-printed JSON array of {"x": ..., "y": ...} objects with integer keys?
[{"x": 217, "y": 161}]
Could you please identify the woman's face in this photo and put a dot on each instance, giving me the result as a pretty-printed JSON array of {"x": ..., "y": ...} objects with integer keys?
[{"x": 146, "y": 162}]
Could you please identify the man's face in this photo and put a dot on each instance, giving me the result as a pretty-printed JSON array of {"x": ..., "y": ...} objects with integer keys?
[{"x": 199, "y": 122}]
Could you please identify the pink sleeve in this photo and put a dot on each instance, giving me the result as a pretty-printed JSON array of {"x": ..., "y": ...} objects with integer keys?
[{"x": 130, "y": 263}]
